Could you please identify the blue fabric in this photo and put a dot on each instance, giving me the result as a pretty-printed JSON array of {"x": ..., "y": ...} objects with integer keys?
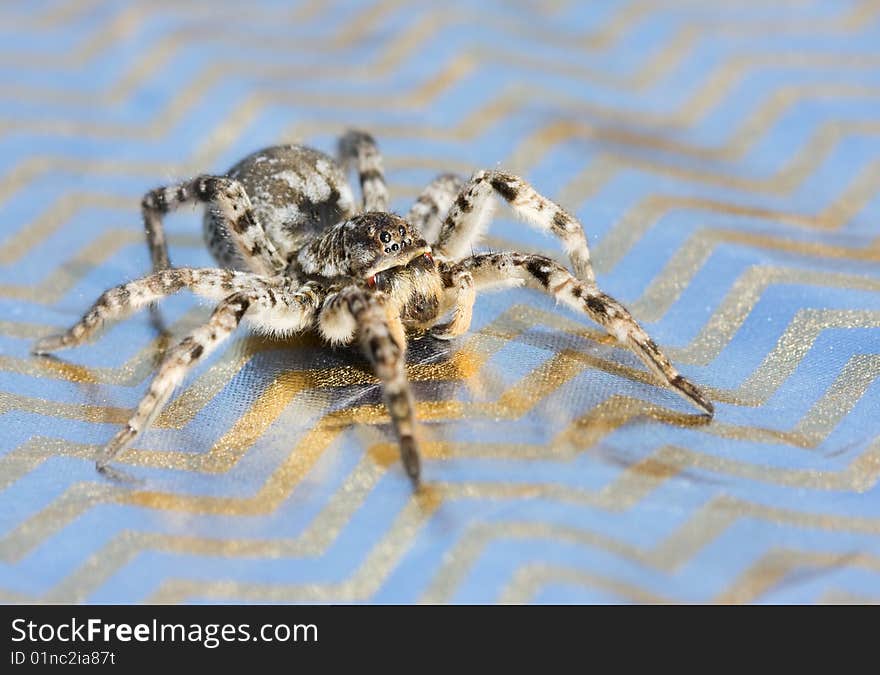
[{"x": 725, "y": 161}]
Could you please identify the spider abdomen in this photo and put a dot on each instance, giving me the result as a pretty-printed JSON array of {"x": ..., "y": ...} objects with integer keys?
[{"x": 296, "y": 193}]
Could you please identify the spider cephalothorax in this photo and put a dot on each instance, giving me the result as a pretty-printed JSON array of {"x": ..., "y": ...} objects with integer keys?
[
  {"x": 296, "y": 254},
  {"x": 387, "y": 254}
]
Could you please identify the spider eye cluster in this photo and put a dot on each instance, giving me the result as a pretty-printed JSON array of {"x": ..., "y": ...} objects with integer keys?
[
  {"x": 368, "y": 243},
  {"x": 392, "y": 243}
]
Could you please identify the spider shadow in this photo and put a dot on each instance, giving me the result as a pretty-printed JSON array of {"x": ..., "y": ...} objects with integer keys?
[
  {"x": 120, "y": 477},
  {"x": 157, "y": 320},
  {"x": 422, "y": 351}
]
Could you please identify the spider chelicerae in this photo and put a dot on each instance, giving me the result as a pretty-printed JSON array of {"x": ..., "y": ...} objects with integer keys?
[{"x": 296, "y": 253}]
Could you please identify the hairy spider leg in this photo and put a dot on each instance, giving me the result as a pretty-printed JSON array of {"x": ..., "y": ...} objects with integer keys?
[
  {"x": 544, "y": 274},
  {"x": 228, "y": 199},
  {"x": 380, "y": 332},
  {"x": 433, "y": 203},
  {"x": 359, "y": 148},
  {"x": 176, "y": 364},
  {"x": 275, "y": 307},
  {"x": 125, "y": 299},
  {"x": 469, "y": 218},
  {"x": 461, "y": 293}
]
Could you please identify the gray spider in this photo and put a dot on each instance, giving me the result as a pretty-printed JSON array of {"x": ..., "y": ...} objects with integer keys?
[{"x": 297, "y": 254}]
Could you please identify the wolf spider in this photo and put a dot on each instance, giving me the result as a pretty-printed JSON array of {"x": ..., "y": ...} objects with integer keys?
[{"x": 295, "y": 253}]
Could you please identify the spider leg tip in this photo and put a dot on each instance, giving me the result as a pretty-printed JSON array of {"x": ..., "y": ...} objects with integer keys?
[
  {"x": 693, "y": 394},
  {"x": 411, "y": 461},
  {"x": 47, "y": 345},
  {"x": 699, "y": 399},
  {"x": 115, "y": 475}
]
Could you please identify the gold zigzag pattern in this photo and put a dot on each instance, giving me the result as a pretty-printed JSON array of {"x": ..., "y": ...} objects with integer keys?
[
  {"x": 626, "y": 492},
  {"x": 120, "y": 28},
  {"x": 584, "y": 433},
  {"x": 765, "y": 575},
  {"x": 821, "y": 144},
  {"x": 668, "y": 556},
  {"x": 618, "y": 132}
]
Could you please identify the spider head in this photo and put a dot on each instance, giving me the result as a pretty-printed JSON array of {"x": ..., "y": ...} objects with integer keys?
[
  {"x": 363, "y": 247},
  {"x": 385, "y": 253},
  {"x": 396, "y": 260},
  {"x": 376, "y": 242}
]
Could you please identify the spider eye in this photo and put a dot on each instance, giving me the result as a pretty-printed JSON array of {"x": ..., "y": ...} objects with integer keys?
[
  {"x": 429, "y": 257},
  {"x": 371, "y": 282},
  {"x": 402, "y": 231},
  {"x": 385, "y": 237}
]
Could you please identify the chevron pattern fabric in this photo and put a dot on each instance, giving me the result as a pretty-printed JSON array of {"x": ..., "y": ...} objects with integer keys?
[{"x": 725, "y": 160}]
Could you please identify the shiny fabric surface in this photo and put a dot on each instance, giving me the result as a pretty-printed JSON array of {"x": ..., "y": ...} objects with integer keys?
[{"x": 725, "y": 160}]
